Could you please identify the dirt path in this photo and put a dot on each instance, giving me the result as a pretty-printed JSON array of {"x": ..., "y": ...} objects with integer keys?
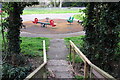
[{"x": 57, "y": 62}]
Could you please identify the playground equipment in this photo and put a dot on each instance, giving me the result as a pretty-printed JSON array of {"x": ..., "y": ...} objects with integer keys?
[
  {"x": 1, "y": 12},
  {"x": 70, "y": 20},
  {"x": 43, "y": 24},
  {"x": 47, "y": 19},
  {"x": 80, "y": 22}
]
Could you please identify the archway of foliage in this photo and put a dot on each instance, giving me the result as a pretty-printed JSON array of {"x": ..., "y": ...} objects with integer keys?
[{"x": 102, "y": 26}]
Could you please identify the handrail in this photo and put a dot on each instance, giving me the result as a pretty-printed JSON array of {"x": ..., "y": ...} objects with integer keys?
[
  {"x": 44, "y": 52},
  {"x": 84, "y": 58},
  {"x": 105, "y": 74},
  {"x": 89, "y": 63},
  {"x": 41, "y": 66}
]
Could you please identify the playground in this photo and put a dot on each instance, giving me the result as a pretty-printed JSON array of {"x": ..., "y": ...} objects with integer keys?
[{"x": 62, "y": 27}]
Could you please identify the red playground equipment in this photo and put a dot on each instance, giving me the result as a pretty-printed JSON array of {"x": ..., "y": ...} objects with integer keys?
[
  {"x": 52, "y": 23},
  {"x": 44, "y": 23},
  {"x": 35, "y": 21}
]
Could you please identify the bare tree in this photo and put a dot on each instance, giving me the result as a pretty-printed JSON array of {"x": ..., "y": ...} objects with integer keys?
[
  {"x": 60, "y": 3},
  {"x": 54, "y": 3}
]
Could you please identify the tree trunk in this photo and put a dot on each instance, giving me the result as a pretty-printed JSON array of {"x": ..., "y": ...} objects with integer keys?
[
  {"x": 60, "y": 6},
  {"x": 13, "y": 34},
  {"x": 54, "y": 3}
]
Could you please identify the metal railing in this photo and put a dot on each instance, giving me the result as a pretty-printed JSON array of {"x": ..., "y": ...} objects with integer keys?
[
  {"x": 39, "y": 72},
  {"x": 90, "y": 70}
]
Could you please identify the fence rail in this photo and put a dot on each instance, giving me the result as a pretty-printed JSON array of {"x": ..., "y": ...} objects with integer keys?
[
  {"x": 39, "y": 72},
  {"x": 90, "y": 70}
]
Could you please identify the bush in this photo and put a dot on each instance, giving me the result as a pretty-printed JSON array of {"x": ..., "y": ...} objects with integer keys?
[
  {"x": 102, "y": 36},
  {"x": 15, "y": 73},
  {"x": 74, "y": 4}
]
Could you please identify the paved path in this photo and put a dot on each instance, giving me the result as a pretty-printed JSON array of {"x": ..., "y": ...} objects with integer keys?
[
  {"x": 57, "y": 59},
  {"x": 43, "y": 16},
  {"x": 26, "y": 34}
]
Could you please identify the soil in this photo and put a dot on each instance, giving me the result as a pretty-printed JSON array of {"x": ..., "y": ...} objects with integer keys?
[
  {"x": 35, "y": 62},
  {"x": 62, "y": 27},
  {"x": 79, "y": 69}
]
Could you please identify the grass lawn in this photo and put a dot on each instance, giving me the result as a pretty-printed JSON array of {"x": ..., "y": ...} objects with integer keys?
[
  {"x": 77, "y": 40},
  {"x": 79, "y": 16},
  {"x": 33, "y": 46},
  {"x": 48, "y": 11}
]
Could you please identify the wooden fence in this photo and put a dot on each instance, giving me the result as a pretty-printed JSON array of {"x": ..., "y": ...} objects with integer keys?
[
  {"x": 40, "y": 71},
  {"x": 90, "y": 70}
]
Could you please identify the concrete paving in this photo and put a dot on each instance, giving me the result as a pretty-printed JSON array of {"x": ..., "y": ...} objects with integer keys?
[
  {"x": 51, "y": 16},
  {"x": 57, "y": 50},
  {"x": 55, "y": 36},
  {"x": 57, "y": 59}
]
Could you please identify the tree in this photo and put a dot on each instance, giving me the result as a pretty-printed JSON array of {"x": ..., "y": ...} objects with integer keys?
[
  {"x": 74, "y": 4},
  {"x": 53, "y": 2},
  {"x": 102, "y": 25},
  {"x": 14, "y": 23},
  {"x": 60, "y": 3}
]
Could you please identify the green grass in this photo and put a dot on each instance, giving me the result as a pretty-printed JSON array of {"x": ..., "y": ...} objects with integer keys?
[
  {"x": 49, "y": 11},
  {"x": 33, "y": 46},
  {"x": 77, "y": 40},
  {"x": 79, "y": 77},
  {"x": 77, "y": 58},
  {"x": 79, "y": 43},
  {"x": 79, "y": 16},
  {"x": 46, "y": 11}
]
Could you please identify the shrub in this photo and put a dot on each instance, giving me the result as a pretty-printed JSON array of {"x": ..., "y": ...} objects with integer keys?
[{"x": 15, "y": 73}]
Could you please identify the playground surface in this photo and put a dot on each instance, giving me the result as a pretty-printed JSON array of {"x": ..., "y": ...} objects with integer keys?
[
  {"x": 52, "y": 16},
  {"x": 62, "y": 27}
]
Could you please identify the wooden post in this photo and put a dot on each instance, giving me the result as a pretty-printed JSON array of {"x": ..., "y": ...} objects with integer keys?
[
  {"x": 44, "y": 73},
  {"x": 45, "y": 59},
  {"x": 44, "y": 52},
  {"x": 85, "y": 70},
  {"x": 73, "y": 58},
  {"x": 90, "y": 73},
  {"x": 70, "y": 52}
]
